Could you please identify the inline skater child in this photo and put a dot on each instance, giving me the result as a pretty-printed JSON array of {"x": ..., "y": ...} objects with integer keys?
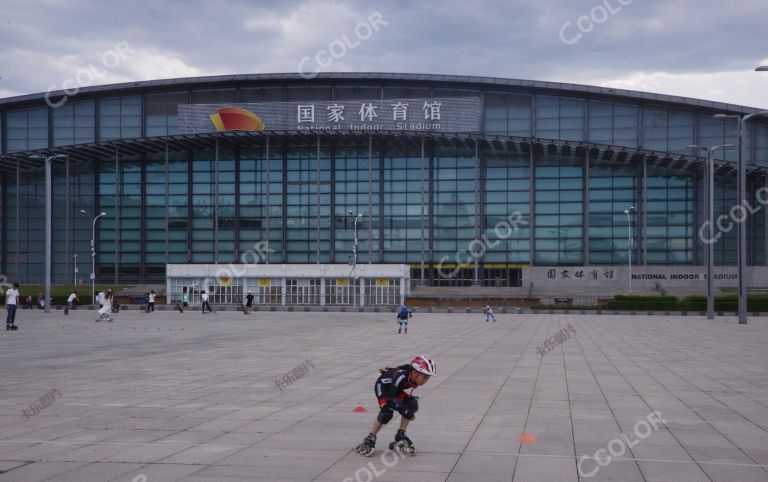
[
  {"x": 489, "y": 314},
  {"x": 403, "y": 315},
  {"x": 390, "y": 390}
]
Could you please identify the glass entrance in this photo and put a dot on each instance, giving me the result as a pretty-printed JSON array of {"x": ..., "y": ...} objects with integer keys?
[
  {"x": 382, "y": 291},
  {"x": 303, "y": 291},
  {"x": 339, "y": 291}
]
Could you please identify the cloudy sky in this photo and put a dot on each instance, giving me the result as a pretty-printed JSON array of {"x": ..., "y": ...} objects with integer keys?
[{"x": 697, "y": 48}]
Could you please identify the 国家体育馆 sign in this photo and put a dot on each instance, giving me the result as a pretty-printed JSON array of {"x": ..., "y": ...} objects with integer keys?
[{"x": 456, "y": 114}]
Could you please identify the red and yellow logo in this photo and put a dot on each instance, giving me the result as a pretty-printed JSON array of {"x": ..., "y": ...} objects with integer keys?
[{"x": 236, "y": 119}]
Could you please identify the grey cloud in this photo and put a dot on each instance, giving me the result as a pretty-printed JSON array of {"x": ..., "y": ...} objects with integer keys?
[{"x": 46, "y": 41}]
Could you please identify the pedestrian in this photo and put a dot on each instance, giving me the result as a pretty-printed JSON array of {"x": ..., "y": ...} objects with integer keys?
[
  {"x": 204, "y": 297},
  {"x": 248, "y": 303},
  {"x": 29, "y": 302},
  {"x": 151, "y": 301},
  {"x": 71, "y": 302},
  {"x": 100, "y": 299},
  {"x": 489, "y": 314},
  {"x": 12, "y": 297},
  {"x": 40, "y": 301},
  {"x": 106, "y": 307},
  {"x": 185, "y": 299}
]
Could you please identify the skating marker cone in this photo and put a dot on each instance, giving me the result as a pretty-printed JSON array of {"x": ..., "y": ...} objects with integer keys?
[
  {"x": 360, "y": 409},
  {"x": 526, "y": 438}
]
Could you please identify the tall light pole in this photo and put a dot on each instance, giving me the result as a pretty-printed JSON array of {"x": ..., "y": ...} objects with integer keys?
[
  {"x": 93, "y": 255},
  {"x": 629, "y": 213},
  {"x": 74, "y": 279},
  {"x": 710, "y": 209},
  {"x": 354, "y": 259},
  {"x": 48, "y": 223},
  {"x": 741, "y": 190}
]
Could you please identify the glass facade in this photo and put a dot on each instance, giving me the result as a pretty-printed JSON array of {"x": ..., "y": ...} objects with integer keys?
[
  {"x": 558, "y": 222},
  {"x": 405, "y": 233},
  {"x": 612, "y": 190},
  {"x": 120, "y": 118},
  {"x": 281, "y": 203},
  {"x": 74, "y": 124},
  {"x": 27, "y": 129},
  {"x": 507, "y": 208}
]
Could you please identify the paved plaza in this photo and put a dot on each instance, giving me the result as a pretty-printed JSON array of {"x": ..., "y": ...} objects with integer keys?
[{"x": 165, "y": 396}]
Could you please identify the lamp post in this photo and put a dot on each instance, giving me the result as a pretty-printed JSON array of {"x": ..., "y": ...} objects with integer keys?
[
  {"x": 629, "y": 213},
  {"x": 710, "y": 209},
  {"x": 93, "y": 255},
  {"x": 354, "y": 258},
  {"x": 48, "y": 223},
  {"x": 741, "y": 190},
  {"x": 74, "y": 279}
]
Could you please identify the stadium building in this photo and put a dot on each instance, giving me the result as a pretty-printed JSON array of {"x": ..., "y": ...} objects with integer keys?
[{"x": 447, "y": 181}]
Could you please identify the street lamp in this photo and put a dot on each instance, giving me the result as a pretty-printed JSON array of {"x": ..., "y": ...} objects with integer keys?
[
  {"x": 93, "y": 255},
  {"x": 48, "y": 223},
  {"x": 741, "y": 122},
  {"x": 354, "y": 258},
  {"x": 74, "y": 279},
  {"x": 710, "y": 208},
  {"x": 629, "y": 212}
]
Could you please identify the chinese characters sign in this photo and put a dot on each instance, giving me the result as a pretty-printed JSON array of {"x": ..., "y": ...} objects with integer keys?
[{"x": 459, "y": 114}]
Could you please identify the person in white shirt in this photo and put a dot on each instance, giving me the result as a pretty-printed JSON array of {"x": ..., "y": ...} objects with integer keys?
[
  {"x": 11, "y": 304},
  {"x": 489, "y": 313},
  {"x": 106, "y": 307},
  {"x": 204, "y": 297},
  {"x": 71, "y": 302},
  {"x": 151, "y": 301},
  {"x": 100, "y": 299}
]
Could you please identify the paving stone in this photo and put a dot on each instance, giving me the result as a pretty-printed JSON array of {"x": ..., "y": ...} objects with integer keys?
[{"x": 201, "y": 403}]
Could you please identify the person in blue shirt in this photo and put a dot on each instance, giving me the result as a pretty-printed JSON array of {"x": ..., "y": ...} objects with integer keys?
[{"x": 403, "y": 315}]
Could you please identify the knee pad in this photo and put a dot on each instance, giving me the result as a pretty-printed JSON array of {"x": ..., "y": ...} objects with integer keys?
[
  {"x": 413, "y": 404},
  {"x": 409, "y": 408},
  {"x": 385, "y": 415}
]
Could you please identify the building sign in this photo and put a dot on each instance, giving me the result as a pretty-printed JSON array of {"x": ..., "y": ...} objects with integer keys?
[
  {"x": 264, "y": 281},
  {"x": 382, "y": 282},
  {"x": 454, "y": 114},
  {"x": 342, "y": 282},
  {"x": 609, "y": 273}
]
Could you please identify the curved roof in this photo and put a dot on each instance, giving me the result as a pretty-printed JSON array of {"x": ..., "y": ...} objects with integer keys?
[{"x": 487, "y": 82}]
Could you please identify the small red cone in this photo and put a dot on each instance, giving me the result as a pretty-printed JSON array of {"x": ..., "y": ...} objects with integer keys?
[
  {"x": 360, "y": 409},
  {"x": 525, "y": 438}
]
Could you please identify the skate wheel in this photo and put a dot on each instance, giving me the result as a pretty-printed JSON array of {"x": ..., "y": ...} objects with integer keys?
[
  {"x": 392, "y": 446},
  {"x": 412, "y": 451}
]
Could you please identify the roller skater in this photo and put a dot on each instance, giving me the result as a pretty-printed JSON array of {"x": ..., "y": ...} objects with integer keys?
[
  {"x": 403, "y": 315},
  {"x": 12, "y": 297},
  {"x": 106, "y": 308},
  {"x": 489, "y": 314},
  {"x": 390, "y": 390}
]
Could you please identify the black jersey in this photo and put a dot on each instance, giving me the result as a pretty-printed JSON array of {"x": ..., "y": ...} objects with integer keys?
[{"x": 392, "y": 384}]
